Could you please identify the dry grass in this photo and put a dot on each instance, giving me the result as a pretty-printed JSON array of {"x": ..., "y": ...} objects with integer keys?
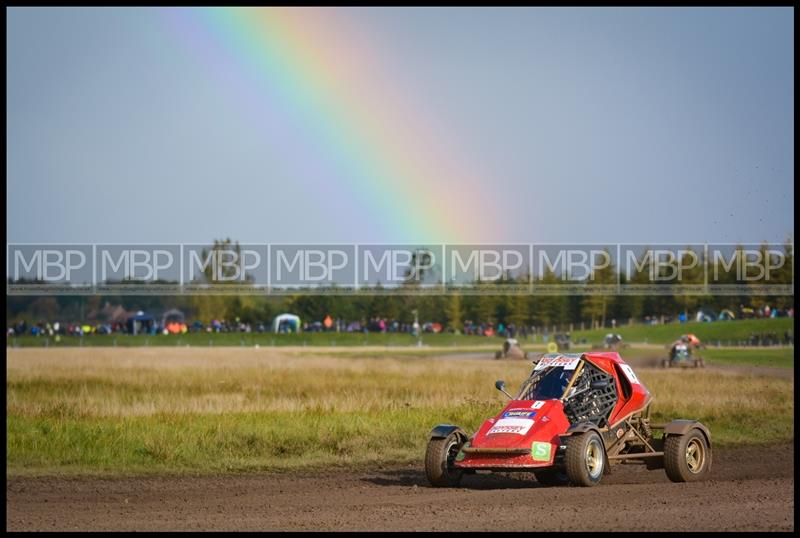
[
  {"x": 118, "y": 382},
  {"x": 190, "y": 409}
]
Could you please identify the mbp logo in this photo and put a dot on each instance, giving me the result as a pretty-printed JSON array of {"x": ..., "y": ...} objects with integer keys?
[
  {"x": 664, "y": 264},
  {"x": 116, "y": 263},
  {"x": 486, "y": 263},
  {"x": 399, "y": 264},
  {"x": 225, "y": 262},
  {"x": 574, "y": 263},
  {"x": 763, "y": 264},
  {"x": 51, "y": 264},
  {"x": 312, "y": 266}
]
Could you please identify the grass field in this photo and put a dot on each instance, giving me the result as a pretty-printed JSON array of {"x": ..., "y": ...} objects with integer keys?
[
  {"x": 775, "y": 358},
  {"x": 260, "y": 339},
  {"x": 728, "y": 332},
  {"x": 157, "y": 410}
]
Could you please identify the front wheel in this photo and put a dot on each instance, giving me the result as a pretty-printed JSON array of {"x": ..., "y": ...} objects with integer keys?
[
  {"x": 585, "y": 459},
  {"x": 687, "y": 457},
  {"x": 440, "y": 459}
]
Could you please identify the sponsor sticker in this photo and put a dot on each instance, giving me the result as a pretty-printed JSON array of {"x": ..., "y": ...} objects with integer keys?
[
  {"x": 519, "y": 413},
  {"x": 569, "y": 363},
  {"x": 541, "y": 451},
  {"x": 518, "y": 426},
  {"x": 629, "y": 374},
  {"x": 537, "y": 404}
]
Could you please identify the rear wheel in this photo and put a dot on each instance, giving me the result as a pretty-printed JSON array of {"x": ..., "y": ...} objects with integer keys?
[
  {"x": 585, "y": 459},
  {"x": 687, "y": 457},
  {"x": 440, "y": 461},
  {"x": 551, "y": 477}
]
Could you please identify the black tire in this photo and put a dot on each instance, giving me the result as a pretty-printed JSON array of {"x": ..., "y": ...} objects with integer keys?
[
  {"x": 687, "y": 457},
  {"x": 439, "y": 460},
  {"x": 551, "y": 477},
  {"x": 498, "y": 354},
  {"x": 585, "y": 459}
]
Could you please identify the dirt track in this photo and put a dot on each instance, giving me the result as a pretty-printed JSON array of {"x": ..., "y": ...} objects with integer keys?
[{"x": 751, "y": 488}]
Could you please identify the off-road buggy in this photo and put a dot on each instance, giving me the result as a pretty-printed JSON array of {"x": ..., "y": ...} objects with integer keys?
[
  {"x": 683, "y": 354},
  {"x": 574, "y": 417},
  {"x": 511, "y": 350}
]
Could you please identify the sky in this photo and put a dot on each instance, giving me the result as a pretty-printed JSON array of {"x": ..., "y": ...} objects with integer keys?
[{"x": 400, "y": 125}]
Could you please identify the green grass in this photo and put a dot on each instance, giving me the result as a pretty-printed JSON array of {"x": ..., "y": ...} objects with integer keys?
[
  {"x": 776, "y": 358},
  {"x": 728, "y": 332},
  {"x": 252, "y": 339},
  {"x": 779, "y": 357},
  {"x": 194, "y": 411},
  {"x": 229, "y": 442}
]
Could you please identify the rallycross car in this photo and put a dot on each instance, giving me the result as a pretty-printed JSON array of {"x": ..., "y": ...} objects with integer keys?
[
  {"x": 511, "y": 350},
  {"x": 682, "y": 353},
  {"x": 575, "y": 416}
]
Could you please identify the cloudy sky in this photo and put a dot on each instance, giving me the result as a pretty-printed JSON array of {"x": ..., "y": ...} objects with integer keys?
[{"x": 400, "y": 125}]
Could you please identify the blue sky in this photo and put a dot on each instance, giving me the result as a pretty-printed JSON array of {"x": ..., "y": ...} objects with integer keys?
[{"x": 585, "y": 125}]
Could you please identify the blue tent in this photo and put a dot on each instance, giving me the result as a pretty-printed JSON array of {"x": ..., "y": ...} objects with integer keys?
[{"x": 138, "y": 321}]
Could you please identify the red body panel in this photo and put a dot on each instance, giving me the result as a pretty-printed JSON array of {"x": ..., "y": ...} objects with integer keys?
[
  {"x": 613, "y": 364},
  {"x": 548, "y": 422},
  {"x": 535, "y": 425}
]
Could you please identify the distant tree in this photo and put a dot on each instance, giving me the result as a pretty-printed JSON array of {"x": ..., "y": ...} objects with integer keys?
[{"x": 454, "y": 312}]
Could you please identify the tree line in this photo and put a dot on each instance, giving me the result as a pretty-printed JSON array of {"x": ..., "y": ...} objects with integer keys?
[{"x": 452, "y": 310}]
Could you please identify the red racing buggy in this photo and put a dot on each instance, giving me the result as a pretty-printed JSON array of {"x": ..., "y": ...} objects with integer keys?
[{"x": 575, "y": 416}]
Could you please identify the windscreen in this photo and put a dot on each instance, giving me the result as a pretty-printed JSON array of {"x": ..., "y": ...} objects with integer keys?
[{"x": 546, "y": 384}]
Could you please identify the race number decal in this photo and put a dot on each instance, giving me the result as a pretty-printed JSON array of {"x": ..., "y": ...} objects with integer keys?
[
  {"x": 569, "y": 363},
  {"x": 518, "y": 426},
  {"x": 629, "y": 374},
  {"x": 538, "y": 404}
]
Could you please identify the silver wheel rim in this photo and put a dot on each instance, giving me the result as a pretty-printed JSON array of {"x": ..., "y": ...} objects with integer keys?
[
  {"x": 450, "y": 456},
  {"x": 594, "y": 458},
  {"x": 695, "y": 456}
]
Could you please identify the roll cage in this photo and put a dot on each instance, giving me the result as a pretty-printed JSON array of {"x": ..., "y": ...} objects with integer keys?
[{"x": 588, "y": 393}]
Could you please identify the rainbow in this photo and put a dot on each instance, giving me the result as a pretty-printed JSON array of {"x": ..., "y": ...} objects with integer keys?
[{"x": 382, "y": 152}]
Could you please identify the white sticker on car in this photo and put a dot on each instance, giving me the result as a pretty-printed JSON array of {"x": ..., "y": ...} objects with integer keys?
[
  {"x": 629, "y": 373},
  {"x": 569, "y": 363},
  {"x": 518, "y": 426},
  {"x": 537, "y": 404}
]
